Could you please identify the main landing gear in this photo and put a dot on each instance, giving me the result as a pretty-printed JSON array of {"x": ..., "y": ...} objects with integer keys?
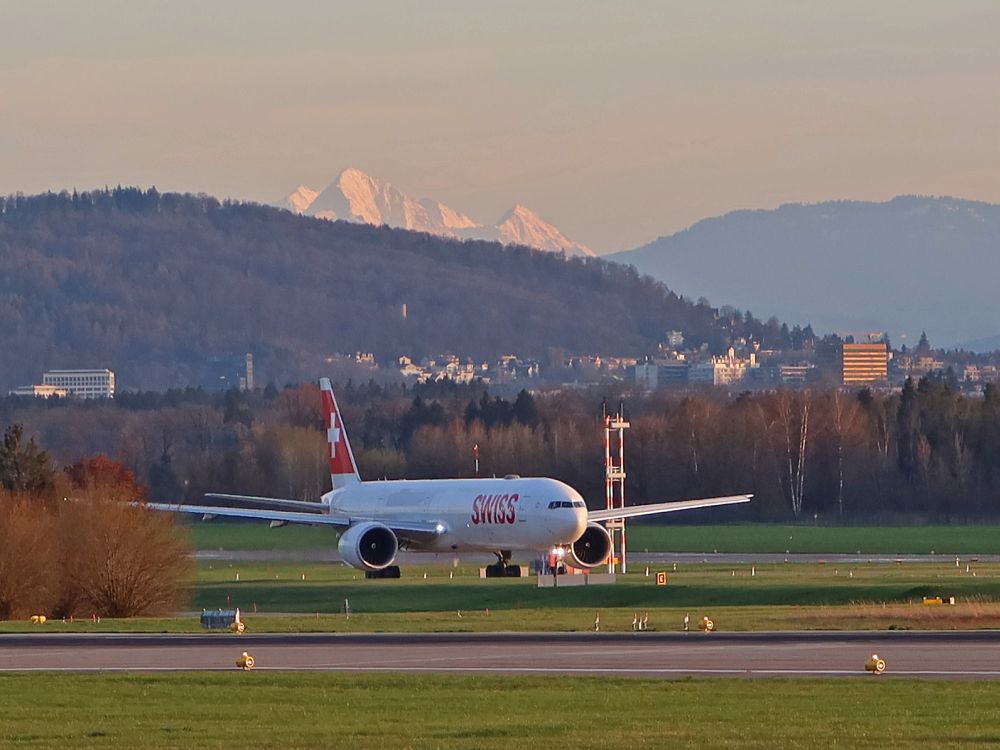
[
  {"x": 391, "y": 571},
  {"x": 502, "y": 567}
]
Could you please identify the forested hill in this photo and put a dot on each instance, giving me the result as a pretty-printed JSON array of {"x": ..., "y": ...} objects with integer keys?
[
  {"x": 156, "y": 285},
  {"x": 908, "y": 265}
]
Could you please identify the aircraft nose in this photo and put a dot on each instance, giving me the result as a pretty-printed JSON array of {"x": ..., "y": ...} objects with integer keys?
[{"x": 580, "y": 519}]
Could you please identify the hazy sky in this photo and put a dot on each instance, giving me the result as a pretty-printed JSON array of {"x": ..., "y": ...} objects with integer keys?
[{"x": 618, "y": 122}]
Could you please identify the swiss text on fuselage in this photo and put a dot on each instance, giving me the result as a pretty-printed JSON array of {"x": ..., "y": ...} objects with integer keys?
[{"x": 494, "y": 509}]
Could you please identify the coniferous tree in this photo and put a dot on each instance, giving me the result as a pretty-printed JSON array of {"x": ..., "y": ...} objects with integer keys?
[
  {"x": 24, "y": 467},
  {"x": 525, "y": 411}
]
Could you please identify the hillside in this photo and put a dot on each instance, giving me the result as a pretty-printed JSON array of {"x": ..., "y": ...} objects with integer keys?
[
  {"x": 154, "y": 286},
  {"x": 903, "y": 266}
]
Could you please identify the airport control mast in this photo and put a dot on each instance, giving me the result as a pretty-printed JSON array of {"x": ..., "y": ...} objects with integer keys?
[{"x": 614, "y": 481}]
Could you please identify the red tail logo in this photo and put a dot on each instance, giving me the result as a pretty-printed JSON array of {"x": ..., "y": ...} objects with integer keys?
[{"x": 341, "y": 461}]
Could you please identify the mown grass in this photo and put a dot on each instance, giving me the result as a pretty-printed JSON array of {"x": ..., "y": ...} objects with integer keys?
[
  {"x": 298, "y": 588},
  {"x": 740, "y": 538},
  {"x": 306, "y": 710},
  {"x": 289, "y": 597},
  {"x": 776, "y": 538},
  {"x": 973, "y": 614}
]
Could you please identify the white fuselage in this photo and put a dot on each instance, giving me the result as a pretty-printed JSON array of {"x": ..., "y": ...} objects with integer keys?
[{"x": 476, "y": 514}]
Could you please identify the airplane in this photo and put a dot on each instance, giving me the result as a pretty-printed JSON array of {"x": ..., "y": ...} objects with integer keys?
[{"x": 378, "y": 519}]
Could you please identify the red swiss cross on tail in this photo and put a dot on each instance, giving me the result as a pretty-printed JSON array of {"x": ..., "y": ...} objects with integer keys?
[{"x": 343, "y": 470}]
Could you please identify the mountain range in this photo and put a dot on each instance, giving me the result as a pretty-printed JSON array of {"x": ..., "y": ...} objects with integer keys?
[
  {"x": 359, "y": 197},
  {"x": 903, "y": 266}
]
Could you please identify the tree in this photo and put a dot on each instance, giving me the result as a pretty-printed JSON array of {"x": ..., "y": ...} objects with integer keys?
[
  {"x": 791, "y": 442},
  {"x": 111, "y": 479},
  {"x": 842, "y": 419},
  {"x": 907, "y": 429},
  {"x": 24, "y": 467},
  {"x": 120, "y": 560},
  {"x": 525, "y": 411},
  {"x": 28, "y": 568}
]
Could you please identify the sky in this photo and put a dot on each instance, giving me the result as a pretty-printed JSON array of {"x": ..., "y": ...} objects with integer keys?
[{"x": 617, "y": 122}]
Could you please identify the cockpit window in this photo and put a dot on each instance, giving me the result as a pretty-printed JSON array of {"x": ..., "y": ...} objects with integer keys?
[
  {"x": 566, "y": 504},
  {"x": 579, "y": 504}
]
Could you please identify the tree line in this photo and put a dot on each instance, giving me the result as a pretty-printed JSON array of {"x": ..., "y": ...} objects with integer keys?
[{"x": 927, "y": 452}]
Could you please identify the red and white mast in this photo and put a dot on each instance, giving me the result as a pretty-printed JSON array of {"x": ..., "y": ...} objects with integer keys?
[{"x": 614, "y": 481}]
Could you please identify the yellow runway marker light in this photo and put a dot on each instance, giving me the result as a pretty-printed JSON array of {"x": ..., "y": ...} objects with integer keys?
[
  {"x": 245, "y": 662},
  {"x": 875, "y": 665}
]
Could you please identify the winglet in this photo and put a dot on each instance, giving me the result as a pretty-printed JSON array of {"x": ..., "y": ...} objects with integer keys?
[{"x": 343, "y": 469}]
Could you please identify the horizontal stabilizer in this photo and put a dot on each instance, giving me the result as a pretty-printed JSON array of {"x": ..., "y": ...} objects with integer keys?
[{"x": 655, "y": 508}]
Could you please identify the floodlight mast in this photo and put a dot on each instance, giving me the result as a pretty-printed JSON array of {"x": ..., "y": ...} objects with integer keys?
[{"x": 614, "y": 481}]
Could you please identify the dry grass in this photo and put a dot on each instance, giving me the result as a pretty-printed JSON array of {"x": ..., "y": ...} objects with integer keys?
[{"x": 964, "y": 615}]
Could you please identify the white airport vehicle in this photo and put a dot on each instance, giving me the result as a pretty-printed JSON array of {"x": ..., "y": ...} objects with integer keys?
[{"x": 377, "y": 519}]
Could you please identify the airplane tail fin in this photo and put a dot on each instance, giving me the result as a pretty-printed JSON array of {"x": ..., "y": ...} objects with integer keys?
[{"x": 343, "y": 469}]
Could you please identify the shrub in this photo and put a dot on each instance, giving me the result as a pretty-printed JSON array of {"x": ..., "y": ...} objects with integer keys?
[{"x": 29, "y": 568}]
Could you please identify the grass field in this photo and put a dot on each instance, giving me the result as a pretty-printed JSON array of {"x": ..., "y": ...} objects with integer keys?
[
  {"x": 280, "y": 587},
  {"x": 777, "y": 596},
  {"x": 306, "y": 710},
  {"x": 861, "y": 616},
  {"x": 746, "y": 538}
]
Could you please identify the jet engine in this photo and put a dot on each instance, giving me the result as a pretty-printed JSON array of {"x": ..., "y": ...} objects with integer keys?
[
  {"x": 368, "y": 546},
  {"x": 592, "y": 548}
]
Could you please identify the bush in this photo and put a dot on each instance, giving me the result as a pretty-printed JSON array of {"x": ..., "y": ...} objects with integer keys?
[
  {"x": 29, "y": 568},
  {"x": 120, "y": 560},
  {"x": 91, "y": 551}
]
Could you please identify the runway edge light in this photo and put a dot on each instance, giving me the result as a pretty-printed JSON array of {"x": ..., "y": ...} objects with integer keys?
[{"x": 875, "y": 665}]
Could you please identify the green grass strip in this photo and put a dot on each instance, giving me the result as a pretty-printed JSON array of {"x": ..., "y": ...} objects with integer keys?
[
  {"x": 317, "y": 710},
  {"x": 740, "y": 538}
]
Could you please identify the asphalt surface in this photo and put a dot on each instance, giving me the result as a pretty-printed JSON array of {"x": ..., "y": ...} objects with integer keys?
[{"x": 942, "y": 655}]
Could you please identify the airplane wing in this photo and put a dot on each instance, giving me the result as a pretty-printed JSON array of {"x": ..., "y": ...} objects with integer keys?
[
  {"x": 654, "y": 508},
  {"x": 415, "y": 530},
  {"x": 218, "y": 499}
]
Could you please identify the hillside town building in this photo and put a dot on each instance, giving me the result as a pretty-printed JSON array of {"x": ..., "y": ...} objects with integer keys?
[
  {"x": 77, "y": 383},
  {"x": 865, "y": 364}
]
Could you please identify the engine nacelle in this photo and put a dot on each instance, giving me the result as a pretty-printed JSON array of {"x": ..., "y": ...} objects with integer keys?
[
  {"x": 368, "y": 546},
  {"x": 592, "y": 548}
]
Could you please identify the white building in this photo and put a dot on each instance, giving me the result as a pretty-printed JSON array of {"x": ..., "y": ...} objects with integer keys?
[
  {"x": 39, "y": 391},
  {"x": 82, "y": 383},
  {"x": 726, "y": 370}
]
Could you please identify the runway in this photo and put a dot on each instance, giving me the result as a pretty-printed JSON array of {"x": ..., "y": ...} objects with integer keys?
[{"x": 940, "y": 655}]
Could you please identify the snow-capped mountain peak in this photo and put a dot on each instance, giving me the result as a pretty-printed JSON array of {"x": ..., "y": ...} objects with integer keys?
[
  {"x": 357, "y": 196},
  {"x": 522, "y": 226},
  {"x": 300, "y": 199}
]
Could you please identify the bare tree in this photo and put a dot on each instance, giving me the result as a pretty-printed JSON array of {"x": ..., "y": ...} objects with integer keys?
[
  {"x": 122, "y": 560},
  {"x": 28, "y": 571},
  {"x": 843, "y": 420},
  {"x": 792, "y": 408}
]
